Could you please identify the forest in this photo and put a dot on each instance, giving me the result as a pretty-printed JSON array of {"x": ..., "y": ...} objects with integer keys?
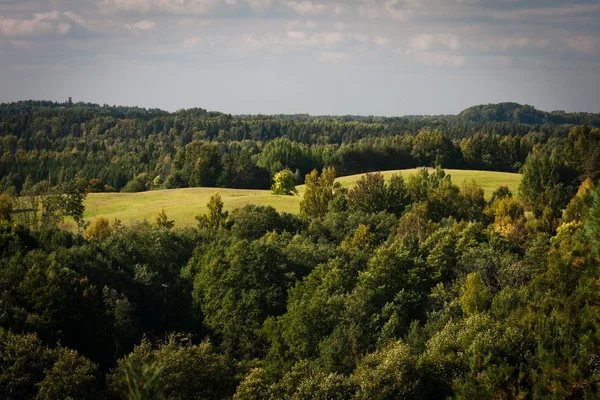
[
  {"x": 132, "y": 149},
  {"x": 413, "y": 288}
]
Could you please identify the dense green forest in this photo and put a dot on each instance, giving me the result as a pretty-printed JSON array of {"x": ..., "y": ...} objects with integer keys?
[
  {"x": 414, "y": 288},
  {"x": 134, "y": 149},
  {"x": 406, "y": 289}
]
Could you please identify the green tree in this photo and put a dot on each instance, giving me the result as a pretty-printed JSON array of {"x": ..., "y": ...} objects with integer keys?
[
  {"x": 475, "y": 296},
  {"x": 99, "y": 229},
  {"x": 74, "y": 194},
  {"x": 215, "y": 218},
  {"x": 284, "y": 183},
  {"x": 162, "y": 221},
  {"x": 540, "y": 186},
  {"x": 207, "y": 167},
  {"x": 175, "y": 370},
  {"x": 6, "y": 207},
  {"x": 71, "y": 377},
  {"x": 369, "y": 195},
  {"x": 397, "y": 194},
  {"x": 318, "y": 192}
]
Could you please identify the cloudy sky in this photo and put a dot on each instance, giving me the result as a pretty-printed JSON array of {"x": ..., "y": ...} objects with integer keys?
[{"x": 379, "y": 57}]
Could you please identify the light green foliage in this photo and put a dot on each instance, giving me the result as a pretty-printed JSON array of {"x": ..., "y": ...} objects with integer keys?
[
  {"x": 282, "y": 153},
  {"x": 474, "y": 296},
  {"x": 183, "y": 203},
  {"x": 318, "y": 192},
  {"x": 284, "y": 183},
  {"x": 580, "y": 203},
  {"x": 215, "y": 218},
  {"x": 592, "y": 226},
  {"x": 99, "y": 229},
  {"x": 162, "y": 221},
  {"x": 390, "y": 373},
  {"x": 433, "y": 147},
  {"x": 255, "y": 386}
]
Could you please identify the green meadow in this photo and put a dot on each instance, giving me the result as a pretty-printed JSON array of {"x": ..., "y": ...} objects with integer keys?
[{"x": 182, "y": 205}]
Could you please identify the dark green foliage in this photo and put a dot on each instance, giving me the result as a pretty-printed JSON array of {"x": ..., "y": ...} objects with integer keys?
[
  {"x": 74, "y": 193},
  {"x": 6, "y": 207},
  {"x": 251, "y": 222},
  {"x": 138, "y": 184},
  {"x": 238, "y": 285},
  {"x": 71, "y": 377},
  {"x": 416, "y": 289},
  {"x": 30, "y": 370},
  {"x": 369, "y": 195},
  {"x": 176, "y": 370}
]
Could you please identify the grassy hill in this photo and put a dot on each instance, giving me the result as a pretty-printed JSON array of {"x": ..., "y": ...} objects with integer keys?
[{"x": 182, "y": 205}]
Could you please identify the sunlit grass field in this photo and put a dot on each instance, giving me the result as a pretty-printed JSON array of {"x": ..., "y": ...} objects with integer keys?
[{"x": 182, "y": 205}]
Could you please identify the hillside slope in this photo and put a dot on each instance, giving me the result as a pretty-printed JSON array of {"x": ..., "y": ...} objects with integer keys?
[{"x": 182, "y": 205}]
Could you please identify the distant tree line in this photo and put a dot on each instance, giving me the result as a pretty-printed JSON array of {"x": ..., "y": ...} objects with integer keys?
[{"x": 133, "y": 149}]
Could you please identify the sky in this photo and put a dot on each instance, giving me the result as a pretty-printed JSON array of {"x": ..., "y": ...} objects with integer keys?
[{"x": 322, "y": 57}]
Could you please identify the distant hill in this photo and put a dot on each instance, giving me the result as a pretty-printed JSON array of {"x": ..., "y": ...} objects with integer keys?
[
  {"x": 476, "y": 115},
  {"x": 525, "y": 114}
]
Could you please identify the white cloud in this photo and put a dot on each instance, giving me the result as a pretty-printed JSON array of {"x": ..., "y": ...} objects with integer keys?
[
  {"x": 191, "y": 42},
  {"x": 63, "y": 28},
  {"x": 359, "y": 37},
  {"x": 333, "y": 56},
  {"x": 380, "y": 40},
  {"x": 434, "y": 59},
  {"x": 428, "y": 41},
  {"x": 319, "y": 39},
  {"x": 24, "y": 27},
  {"x": 306, "y": 7},
  {"x": 340, "y": 26},
  {"x": 297, "y": 25},
  {"x": 584, "y": 44},
  {"x": 256, "y": 43},
  {"x": 49, "y": 15},
  {"x": 170, "y": 6},
  {"x": 144, "y": 25},
  {"x": 296, "y": 34},
  {"x": 257, "y": 3},
  {"x": 562, "y": 11},
  {"x": 329, "y": 38},
  {"x": 388, "y": 9}
]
